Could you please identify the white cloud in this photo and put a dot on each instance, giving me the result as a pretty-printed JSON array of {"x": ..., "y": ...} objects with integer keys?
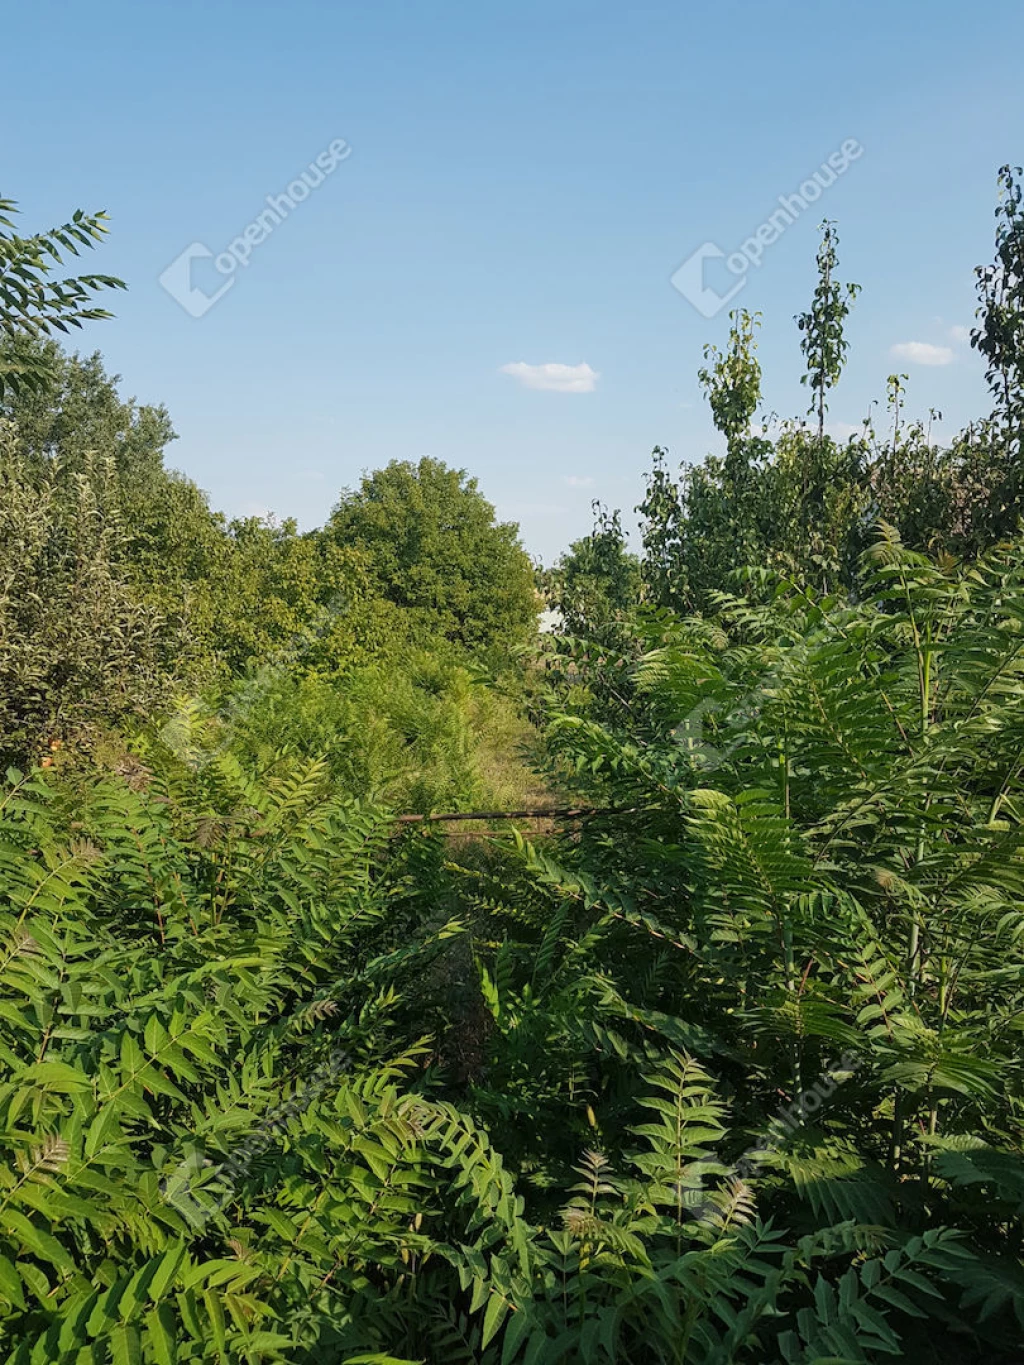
[
  {"x": 578, "y": 481},
  {"x": 842, "y": 431},
  {"x": 555, "y": 378},
  {"x": 959, "y": 333},
  {"x": 921, "y": 353}
]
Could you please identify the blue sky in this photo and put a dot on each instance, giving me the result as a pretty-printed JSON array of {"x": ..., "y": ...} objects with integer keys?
[{"x": 523, "y": 182}]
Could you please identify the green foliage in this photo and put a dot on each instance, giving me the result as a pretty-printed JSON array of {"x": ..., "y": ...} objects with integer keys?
[
  {"x": 412, "y": 728},
  {"x": 663, "y": 565},
  {"x": 718, "y": 1079},
  {"x": 197, "y": 570},
  {"x": 173, "y": 980},
  {"x": 732, "y": 384},
  {"x": 799, "y": 501},
  {"x": 597, "y": 580},
  {"x": 824, "y": 856},
  {"x": 433, "y": 547},
  {"x": 1000, "y": 333},
  {"x": 122, "y": 586},
  {"x": 725, "y": 1071},
  {"x": 34, "y": 305},
  {"x": 80, "y": 650},
  {"x": 822, "y": 338}
]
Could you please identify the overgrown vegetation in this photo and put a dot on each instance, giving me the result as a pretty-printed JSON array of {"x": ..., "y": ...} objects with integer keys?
[{"x": 726, "y": 1069}]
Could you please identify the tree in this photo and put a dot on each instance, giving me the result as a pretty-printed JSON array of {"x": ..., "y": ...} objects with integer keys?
[
  {"x": 81, "y": 650},
  {"x": 719, "y": 514},
  {"x": 433, "y": 545},
  {"x": 661, "y": 526},
  {"x": 75, "y": 411},
  {"x": 1000, "y": 333},
  {"x": 200, "y": 572},
  {"x": 823, "y": 342},
  {"x": 732, "y": 380},
  {"x": 597, "y": 581},
  {"x": 33, "y": 305}
]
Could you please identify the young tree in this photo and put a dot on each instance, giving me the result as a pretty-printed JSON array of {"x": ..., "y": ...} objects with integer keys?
[
  {"x": 732, "y": 379},
  {"x": 662, "y": 515},
  {"x": 714, "y": 519},
  {"x": 823, "y": 342}
]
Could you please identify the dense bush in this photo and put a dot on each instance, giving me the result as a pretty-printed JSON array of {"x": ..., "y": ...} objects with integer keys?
[
  {"x": 743, "y": 1085},
  {"x": 414, "y": 728},
  {"x": 80, "y": 648}
]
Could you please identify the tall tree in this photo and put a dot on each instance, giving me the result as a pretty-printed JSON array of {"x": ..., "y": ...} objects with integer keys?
[{"x": 731, "y": 379}]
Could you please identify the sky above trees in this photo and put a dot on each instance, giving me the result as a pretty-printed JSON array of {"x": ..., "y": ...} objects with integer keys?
[{"x": 485, "y": 278}]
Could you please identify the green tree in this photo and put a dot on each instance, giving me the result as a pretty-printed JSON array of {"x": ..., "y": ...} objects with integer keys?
[
  {"x": 661, "y": 526},
  {"x": 999, "y": 335},
  {"x": 597, "y": 580},
  {"x": 432, "y": 544},
  {"x": 199, "y": 571},
  {"x": 76, "y": 412},
  {"x": 732, "y": 379},
  {"x": 80, "y": 649},
  {"x": 823, "y": 340},
  {"x": 797, "y": 500},
  {"x": 719, "y": 513}
]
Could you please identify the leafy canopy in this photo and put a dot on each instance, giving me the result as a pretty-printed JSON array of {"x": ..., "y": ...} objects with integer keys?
[{"x": 433, "y": 546}]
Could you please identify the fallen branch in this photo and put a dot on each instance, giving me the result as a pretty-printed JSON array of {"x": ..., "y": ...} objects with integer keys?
[{"x": 551, "y": 813}]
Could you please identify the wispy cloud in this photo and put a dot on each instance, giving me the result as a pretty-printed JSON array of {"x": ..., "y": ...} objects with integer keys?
[
  {"x": 921, "y": 353},
  {"x": 959, "y": 333},
  {"x": 553, "y": 377},
  {"x": 842, "y": 431},
  {"x": 578, "y": 481}
]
